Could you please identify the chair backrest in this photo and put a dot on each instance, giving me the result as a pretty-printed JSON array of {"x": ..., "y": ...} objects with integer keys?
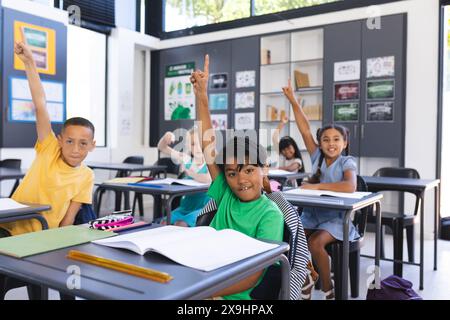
[
  {"x": 360, "y": 218},
  {"x": 132, "y": 160},
  {"x": 172, "y": 167},
  {"x": 397, "y": 173},
  {"x": 11, "y": 163}
]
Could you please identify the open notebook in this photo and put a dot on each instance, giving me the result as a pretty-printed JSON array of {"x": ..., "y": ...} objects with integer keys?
[
  {"x": 10, "y": 204},
  {"x": 185, "y": 182},
  {"x": 306, "y": 192},
  {"x": 202, "y": 248}
]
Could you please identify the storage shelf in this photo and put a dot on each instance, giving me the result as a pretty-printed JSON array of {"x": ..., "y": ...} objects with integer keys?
[{"x": 310, "y": 89}]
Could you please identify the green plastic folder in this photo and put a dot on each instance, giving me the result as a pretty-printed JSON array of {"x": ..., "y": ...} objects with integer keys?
[{"x": 48, "y": 240}]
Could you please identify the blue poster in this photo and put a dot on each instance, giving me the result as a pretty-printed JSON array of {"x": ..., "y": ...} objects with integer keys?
[{"x": 218, "y": 101}]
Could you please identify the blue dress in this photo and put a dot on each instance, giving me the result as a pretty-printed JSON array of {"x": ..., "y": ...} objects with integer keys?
[
  {"x": 326, "y": 219},
  {"x": 191, "y": 205}
]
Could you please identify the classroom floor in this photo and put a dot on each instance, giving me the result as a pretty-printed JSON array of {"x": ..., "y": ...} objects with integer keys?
[{"x": 436, "y": 283}]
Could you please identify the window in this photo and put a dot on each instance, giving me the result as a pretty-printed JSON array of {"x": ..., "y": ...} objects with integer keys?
[
  {"x": 273, "y": 6},
  {"x": 86, "y": 78}
]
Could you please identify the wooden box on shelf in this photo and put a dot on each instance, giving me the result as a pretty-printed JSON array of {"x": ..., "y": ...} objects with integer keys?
[
  {"x": 301, "y": 79},
  {"x": 313, "y": 111}
]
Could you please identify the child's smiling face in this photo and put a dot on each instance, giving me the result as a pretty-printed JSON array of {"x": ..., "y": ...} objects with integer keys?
[
  {"x": 245, "y": 181},
  {"x": 332, "y": 143}
]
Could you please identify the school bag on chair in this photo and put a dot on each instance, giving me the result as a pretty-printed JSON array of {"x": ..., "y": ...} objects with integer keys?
[
  {"x": 393, "y": 288},
  {"x": 85, "y": 214}
]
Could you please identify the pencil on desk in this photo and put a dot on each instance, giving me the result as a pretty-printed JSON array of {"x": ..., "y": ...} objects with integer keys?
[{"x": 134, "y": 270}]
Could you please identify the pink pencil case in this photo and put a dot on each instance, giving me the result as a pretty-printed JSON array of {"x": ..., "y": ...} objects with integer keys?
[{"x": 111, "y": 222}]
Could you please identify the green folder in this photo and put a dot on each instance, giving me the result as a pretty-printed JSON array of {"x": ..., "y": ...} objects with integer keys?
[{"x": 48, "y": 240}]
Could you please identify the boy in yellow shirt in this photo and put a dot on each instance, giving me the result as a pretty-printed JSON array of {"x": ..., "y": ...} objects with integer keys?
[{"x": 57, "y": 176}]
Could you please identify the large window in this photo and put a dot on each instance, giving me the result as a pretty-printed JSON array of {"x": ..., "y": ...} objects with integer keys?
[{"x": 182, "y": 14}]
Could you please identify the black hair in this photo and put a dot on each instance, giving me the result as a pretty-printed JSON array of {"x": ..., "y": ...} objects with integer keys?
[
  {"x": 287, "y": 141},
  {"x": 78, "y": 121},
  {"x": 244, "y": 150},
  {"x": 345, "y": 134}
]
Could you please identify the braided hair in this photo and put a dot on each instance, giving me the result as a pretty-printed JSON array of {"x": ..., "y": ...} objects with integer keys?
[{"x": 345, "y": 134}]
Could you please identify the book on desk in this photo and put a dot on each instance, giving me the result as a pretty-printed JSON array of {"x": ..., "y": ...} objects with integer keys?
[
  {"x": 203, "y": 248},
  {"x": 170, "y": 181},
  {"x": 326, "y": 193}
]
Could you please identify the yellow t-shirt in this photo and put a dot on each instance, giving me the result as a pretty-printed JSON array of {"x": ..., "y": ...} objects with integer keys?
[{"x": 51, "y": 181}]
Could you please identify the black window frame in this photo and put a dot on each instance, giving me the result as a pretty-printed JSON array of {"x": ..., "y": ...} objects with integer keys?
[{"x": 154, "y": 24}]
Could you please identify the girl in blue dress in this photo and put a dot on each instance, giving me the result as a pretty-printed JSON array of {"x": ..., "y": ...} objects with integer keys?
[
  {"x": 194, "y": 167},
  {"x": 332, "y": 171}
]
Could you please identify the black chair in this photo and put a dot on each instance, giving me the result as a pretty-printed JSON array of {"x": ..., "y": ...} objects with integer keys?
[
  {"x": 335, "y": 250},
  {"x": 12, "y": 164},
  {"x": 399, "y": 221},
  {"x": 172, "y": 168},
  {"x": 118, "y": 194}
]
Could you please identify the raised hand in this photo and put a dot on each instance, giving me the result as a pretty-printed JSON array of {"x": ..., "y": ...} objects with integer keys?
[
  {"x": 199, "y": 78},
  {"x": 23, "y": 52},
  {"x": 288, "y": 92}
]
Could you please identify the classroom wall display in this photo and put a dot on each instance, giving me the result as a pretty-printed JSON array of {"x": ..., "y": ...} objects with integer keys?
[
  {"x": 21, "y": 107},
  {"x": 380, "y": 111},
  {"x": 179, "y": 98},
  {"x": 219, "y": 121},
  {"x": 244, "y": 121},
  {"x": 381, "y": 67},
  {"x": 347, "y": 70},
  {"x": 380, "y": 89},
  {"x": 218, "y": 81},
  {"x": 218, "y": 101},
  {"x": 347, "y": 112},
  {"x": 244, "y": 100},
  {"x": 245, "y": 79},
  {"x": 41, "y": 42},
  {"x": 346, "y": 91}
]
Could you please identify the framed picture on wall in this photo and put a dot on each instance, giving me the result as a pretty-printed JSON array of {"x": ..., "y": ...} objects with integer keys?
[
  {"x": 381, "y": 67},
  {"x": 244, "y": 121},
  {"x": 345, "y": 112},
  {"x": 218, "y": 101},
  {"x": 244, "y": 100},
  {"x": 179, "y": 98},
  {"x": 380, "y": 111},
  {"x": 218, "y": 81},
  {"x": 245, "y": 79},
  {"x": 219, "y": 121},
  {"x": 380, "y": 89},
  {"x": 346, "y": 91}
]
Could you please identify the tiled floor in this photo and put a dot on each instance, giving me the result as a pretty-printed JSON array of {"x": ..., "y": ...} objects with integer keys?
[{"x": 436, "y": 283}]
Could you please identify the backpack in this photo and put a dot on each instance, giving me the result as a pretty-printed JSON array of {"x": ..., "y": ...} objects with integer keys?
[
  {"x": 393, "y": 288},
  {"x": 85, "y": 214}
]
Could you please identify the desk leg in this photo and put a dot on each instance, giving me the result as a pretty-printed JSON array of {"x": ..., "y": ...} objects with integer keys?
[
  {"x": 345, "y": 257},
  {"x": 96, "y": 201},
  {"x": 168, "y": 208},
  {"x": 157, "y": 212},
  {"x": 437, "y": 216},
  {"x": 378, "y": 235},
  {"x": 285, "y": 278},
  {"x": 422, "y": 210}
]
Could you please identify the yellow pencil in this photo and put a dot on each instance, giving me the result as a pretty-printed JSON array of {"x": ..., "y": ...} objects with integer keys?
[{"x": 120, "y": 266}]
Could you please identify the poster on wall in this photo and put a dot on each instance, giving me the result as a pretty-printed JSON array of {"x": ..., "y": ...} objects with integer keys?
[
  {"x": 347, "y": 70},
  {"x": 244, "y": 121},
  {"x": 244, "y": 100},
  {"x": 41, "y": 42},
  {"x": 22, "y": 107},
  {"x": 346, "y": 91},
  {"x": 347, "y": 112},
  {"x": 380, "y": 89},
  {"x": 219, "y": 121},
  {"x": 218, "y": 101},
  {"x": 380, "y": 111},
  {"x": 381, "y": 67},
  {"x": 245, "y": 79},
  {"x": 218, "y": 81},
  {"x": 179, "y": 98}
]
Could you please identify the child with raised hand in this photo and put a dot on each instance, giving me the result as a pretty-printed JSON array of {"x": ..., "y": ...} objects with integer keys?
[
  {"x": 237, "y": 172},
  {"x": 333, "y": 171},
  {"x": 290, "y": 156},
  {"x": 194, "y": 167},
  {"x": 57, "y": 176}
]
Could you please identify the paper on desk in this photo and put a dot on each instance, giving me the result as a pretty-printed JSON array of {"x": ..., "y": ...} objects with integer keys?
[
  {"x": 186, "y": 182},
  {"x": 279, "y": 172},
  {"x": 306, "y": 192},
  {"x": 125, "y": 180},
  {"x": 10, "y": 204}
]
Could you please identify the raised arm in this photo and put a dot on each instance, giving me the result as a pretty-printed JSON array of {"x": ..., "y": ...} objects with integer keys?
[
  {"x": 300, "y": 119},
  {"x": 43, "y": 125},
  {"x": 163, "y": 146},
  {"x": 276, "y": 134},
  {"x": 207, "y": 137}
]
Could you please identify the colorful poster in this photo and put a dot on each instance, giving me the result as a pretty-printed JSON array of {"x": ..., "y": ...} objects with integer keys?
[
  {"x": 218, "y": 81},
  {"x": 219, "y": 121},
  {"x": 346, "y": 91},
  {"x": 218, "y": 101},
  {"x": 244, "y": 121},
  {"x": 347, "y": 70},
  {"x": 347, "y": 112},
  {"x": 21, "y": 105},
  {"x": 381, "y": 67},
  {"x": 42, "y": 44},
  {"x": 245, "y": 79},
  {"x": 380, "y": 111},
  {"x": 244, "y": 100},
  {"x": 380, "y": 89},
  {"x": 179, "y": 98}
]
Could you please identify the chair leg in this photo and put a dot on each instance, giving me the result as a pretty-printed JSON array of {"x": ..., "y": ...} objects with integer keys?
[
  {"x": 398, "y": 247},
  {"x": 99, "y": 202},
  {"x": 410, "y": 242},
  {"x": 118, "y": 201},
  {"x": 382, "y": 254},
  {"x": 354, "y": 264},
  {"x": 126, "y": 200},
  {"x": 36, "y": 292},
  {"x": 336, "y": 258},
  {"x": 2, "y": 287},
  {"x": 140, "y": 199}
]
